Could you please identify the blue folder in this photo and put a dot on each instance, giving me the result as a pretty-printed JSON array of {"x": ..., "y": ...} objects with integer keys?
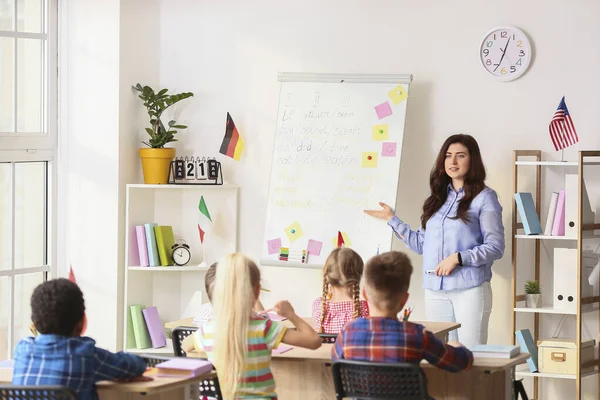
[
  {"x": 529, "y": 217},
  {"x": 525, "y": 340}
]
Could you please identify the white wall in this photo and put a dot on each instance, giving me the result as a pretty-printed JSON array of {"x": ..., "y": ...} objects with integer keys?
[{"x": 229, "y": 53}]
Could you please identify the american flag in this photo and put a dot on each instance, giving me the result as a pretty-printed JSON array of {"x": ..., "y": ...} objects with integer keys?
[{"x": 562, "y": 130}]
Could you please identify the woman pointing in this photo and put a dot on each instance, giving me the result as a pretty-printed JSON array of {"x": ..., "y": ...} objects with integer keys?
[{"x": 460, "y": 236}]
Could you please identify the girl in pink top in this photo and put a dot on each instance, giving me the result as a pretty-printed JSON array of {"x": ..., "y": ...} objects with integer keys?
[{"x": 340, "y": 301}]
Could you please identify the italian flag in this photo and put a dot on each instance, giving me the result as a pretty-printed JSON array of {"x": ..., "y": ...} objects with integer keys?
[{"x": 205, "y": 219}]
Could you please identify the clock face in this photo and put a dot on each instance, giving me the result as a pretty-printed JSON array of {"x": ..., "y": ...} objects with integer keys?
[
  {"x": 181, "y": 256},
  {"x": 505, "y": 53}
]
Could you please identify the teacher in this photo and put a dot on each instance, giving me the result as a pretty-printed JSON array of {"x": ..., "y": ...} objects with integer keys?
[{"x": 460, "y": 236}]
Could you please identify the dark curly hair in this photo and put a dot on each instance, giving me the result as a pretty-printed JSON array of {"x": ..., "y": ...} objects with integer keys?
[{"x": 57, "y": 306}]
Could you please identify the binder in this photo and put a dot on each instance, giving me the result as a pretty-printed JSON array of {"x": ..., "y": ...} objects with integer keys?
[
  {"x": 155, "y": 327},
  {"x": 572, "y": 206},
  {"x": 151, "y": 244},
  {"x": 140, "y": 330},
  {"x": 551, "y": 212},
  {"x": 558, "y": 228},
  {"x": 525, "y": 340},
  {"x": 529, "y": 217},
  {"x": 565, "y": 279},
  {"x": 140, "y": 233},
  {"x": 164, "y": 242}
]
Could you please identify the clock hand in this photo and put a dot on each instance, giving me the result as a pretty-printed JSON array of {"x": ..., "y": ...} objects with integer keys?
[{"x": 503, "y": 54}]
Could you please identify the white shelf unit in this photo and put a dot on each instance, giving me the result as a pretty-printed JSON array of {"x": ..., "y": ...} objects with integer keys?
[
  {"x": 583, "y": 304},
  {"x": 170, "y": 288},
  {"x": 167, "y": 350}
]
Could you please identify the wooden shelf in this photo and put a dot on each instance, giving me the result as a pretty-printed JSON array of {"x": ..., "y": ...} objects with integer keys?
[
  {"x": 524, "y": 371},
  {"x": 167, "y": 269},
  {"x": 184, "y": 187},
  {"x": 555, "y": 163},
  {"x": 535, "y": 237},
  {"x": 545, "y": 310}
]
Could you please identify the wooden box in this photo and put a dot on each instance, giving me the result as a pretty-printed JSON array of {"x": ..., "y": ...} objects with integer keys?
[{"x": 557, "y": 356}]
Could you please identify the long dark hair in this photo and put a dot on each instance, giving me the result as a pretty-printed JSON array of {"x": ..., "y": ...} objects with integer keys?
[{"x": 439, "y": 180}]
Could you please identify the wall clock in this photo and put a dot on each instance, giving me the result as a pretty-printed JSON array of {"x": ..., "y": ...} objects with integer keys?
[{"x": 505, "y": 53}]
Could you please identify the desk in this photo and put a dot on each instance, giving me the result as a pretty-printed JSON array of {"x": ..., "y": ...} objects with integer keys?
[
  {"x": 158, "y": 389},
  {"x": 439, "y": 329},
  {"x": 489, "y": 379}
]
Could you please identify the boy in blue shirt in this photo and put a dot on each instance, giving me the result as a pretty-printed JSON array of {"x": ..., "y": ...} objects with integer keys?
[{"x": 59, "y": 355}]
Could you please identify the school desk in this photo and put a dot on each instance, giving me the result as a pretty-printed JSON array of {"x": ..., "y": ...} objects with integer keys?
[
  {"x": 157, "y": 389},
  {"x": 302, "y": 374},
  {"x": 439, "y": 329}
]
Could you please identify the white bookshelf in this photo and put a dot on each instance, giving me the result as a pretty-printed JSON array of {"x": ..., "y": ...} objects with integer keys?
[
  {"x": 522, "y": 371},
  {"x": 545, "y": 310},
  {"x": 167, "y": 350},
  {"x": 547, "y": 237},
  {"x": 170, "y": 288}
]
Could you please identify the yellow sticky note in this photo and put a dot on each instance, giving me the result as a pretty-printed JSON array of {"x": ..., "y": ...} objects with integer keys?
[
  {"x": 347, "y": 242},
  {"x": 380, "y": 132},
  {"x": 398, "y": 94},
  {"x": 369, "y": 159},
  {"x": 294, "y": 231}
]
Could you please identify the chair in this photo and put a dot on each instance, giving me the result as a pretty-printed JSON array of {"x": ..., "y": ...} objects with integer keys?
[
  {"x": 153, "y": 359},
  {"x": 178, "y": 334},
  {"x": 208, "y": 387},
  {"x": 370, "y": 381},
  {"x": 54, "y": 392},
  {"x": 328, "y": 337}
]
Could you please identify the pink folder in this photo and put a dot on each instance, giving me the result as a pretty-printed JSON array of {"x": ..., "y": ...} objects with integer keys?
[
  {"x": 558, "y": 229},
  {"x": 155, "y": 327},
  {"x": 140, "y": 233},
  {"x": 282, "y": 348}
]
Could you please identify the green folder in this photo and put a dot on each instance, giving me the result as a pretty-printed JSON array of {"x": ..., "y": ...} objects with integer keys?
[
  {"x": 130, "y": 334},
  {"x": 140, "y": 330},
  {"x": 164, "y": 241}
]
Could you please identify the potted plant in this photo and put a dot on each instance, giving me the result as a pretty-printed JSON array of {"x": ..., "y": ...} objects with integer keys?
[
  {"x": 156, "y": 159},
  {"x": 533, "y": 296}
]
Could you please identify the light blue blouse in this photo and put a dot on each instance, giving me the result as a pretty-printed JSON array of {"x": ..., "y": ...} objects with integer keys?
[{"x": 479, "y": 241}]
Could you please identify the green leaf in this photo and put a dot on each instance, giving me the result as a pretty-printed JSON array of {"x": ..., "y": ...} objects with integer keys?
[
  {"x": 150, "y": 131},
  {"x": 162, "y": 92},
  {"x": 171, "y": 122},
  {"x": 179, "y": 126}
]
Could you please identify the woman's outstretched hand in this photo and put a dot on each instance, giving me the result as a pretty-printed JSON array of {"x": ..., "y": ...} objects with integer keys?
[{"x": 387, "y": 213}]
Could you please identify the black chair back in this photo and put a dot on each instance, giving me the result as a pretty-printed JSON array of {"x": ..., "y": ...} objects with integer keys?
[
  {"x": 328, "y": 337},
  {"x": 208, "y": 387},
  {"x": 54, "y": 392},
  {"x": 153, "y": 359},
  {"x": 178, "y": 334},
  {"x": 375, "y": 381}
]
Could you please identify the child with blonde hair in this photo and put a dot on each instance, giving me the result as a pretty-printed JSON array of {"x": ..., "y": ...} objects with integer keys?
[
  {"x": 237, "y": 341},
  {"x": 340, "y": 301}
]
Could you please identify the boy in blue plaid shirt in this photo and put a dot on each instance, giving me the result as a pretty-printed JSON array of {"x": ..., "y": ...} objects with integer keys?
[
  {"x": 385, "y": 339},
  {"x": 59, "y": 355}
]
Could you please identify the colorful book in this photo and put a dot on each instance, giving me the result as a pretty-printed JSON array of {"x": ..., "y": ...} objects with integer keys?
[
  {"x": 525, "y": 341},
  {"x": 495, "y": 351},
  {"x": 551, "y": 212},
  {"x": 558, "y": 229},
  {"x": 130, "y": 333},
  {"x": 181, "y": 367},
  {"x": 164, "y": 241},
  {"x": 155, "y": 327},
  {"x": 140, "y": 330},
  {"x": 140, "y": 233},
  {"x": 151, "y": 244},
  {"x": 529, "y": 217}
]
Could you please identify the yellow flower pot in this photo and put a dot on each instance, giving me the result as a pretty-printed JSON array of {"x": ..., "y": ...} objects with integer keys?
[{"x": 155, "y": 164}]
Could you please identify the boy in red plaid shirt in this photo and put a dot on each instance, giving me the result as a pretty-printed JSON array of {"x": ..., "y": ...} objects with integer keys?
[{"x": 382, "y": 337}]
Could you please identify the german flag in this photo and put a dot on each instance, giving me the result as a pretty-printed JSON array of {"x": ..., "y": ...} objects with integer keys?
[{"x": 233, "y": 144}]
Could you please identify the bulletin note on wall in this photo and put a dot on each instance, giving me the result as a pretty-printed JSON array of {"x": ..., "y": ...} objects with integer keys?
[{"x": 338, "y": 147}]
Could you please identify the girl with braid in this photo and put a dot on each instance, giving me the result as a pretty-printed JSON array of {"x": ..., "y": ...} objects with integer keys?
[{"x": 340, "y": 301}]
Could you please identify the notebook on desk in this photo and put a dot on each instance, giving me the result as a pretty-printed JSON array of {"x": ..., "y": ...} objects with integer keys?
[
  {"x": 495, "y": 351},
  {"x": 180, "y": 367}
]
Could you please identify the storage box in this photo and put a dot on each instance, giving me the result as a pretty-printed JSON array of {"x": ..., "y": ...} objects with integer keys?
[{"x": 557, "y": 356}]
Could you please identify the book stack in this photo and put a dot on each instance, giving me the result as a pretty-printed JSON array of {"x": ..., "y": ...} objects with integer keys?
[
  {"x": 180, "y": 367},
  {"x": 495, "y": 351},
  {"x": 144, "y": 328},
  {"x": 154, "y": 245}
]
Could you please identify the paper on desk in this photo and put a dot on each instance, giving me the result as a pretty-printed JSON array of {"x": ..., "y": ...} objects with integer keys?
[{"x": 282, "y": 348}]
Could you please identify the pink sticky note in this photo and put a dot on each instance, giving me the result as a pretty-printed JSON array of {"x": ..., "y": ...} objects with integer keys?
[
  {"x": 273, "y": 245},
  {"x": 383, "y": 110},
  {"x": 388, "y": 149},
  {"x": 314, "y": 247},
  {"x": 282, "y": 348}
]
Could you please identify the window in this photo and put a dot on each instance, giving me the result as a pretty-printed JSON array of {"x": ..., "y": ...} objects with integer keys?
[{"x": 28, "y": 110}]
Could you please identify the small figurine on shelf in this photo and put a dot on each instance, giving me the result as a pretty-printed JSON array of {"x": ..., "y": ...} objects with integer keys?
[{"x": 533, "y": 295}]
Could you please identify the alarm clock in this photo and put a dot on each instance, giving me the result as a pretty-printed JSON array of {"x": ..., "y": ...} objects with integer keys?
[
  {"x": 180, "y": 253},
  {"x": 505, "y": 53}
]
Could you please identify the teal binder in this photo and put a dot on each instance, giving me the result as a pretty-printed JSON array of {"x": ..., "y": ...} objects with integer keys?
[
  {"x": 525, "y": 340},
  {"x": 529, "y": 217},
  {"x": 153, "y": 259}
]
